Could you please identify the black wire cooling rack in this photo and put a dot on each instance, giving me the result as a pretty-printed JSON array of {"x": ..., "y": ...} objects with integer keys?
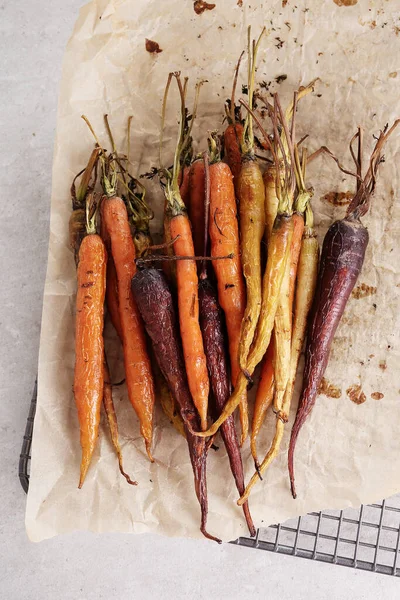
[{"x": 365, "y": 538}]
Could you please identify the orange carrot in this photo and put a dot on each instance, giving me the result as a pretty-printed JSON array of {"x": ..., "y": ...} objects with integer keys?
[
  {"x": 112, "y": 281},
  {"x": 264, "y": 398},
  {"x": 196, "y": 204},
  {"x": 186, "y": 270},
  {"x": 188, "y": 305},
  {"x": 89, "y": 344},
  {"x": 224, "y": 236},
  {"x": 138, "y": 373}
]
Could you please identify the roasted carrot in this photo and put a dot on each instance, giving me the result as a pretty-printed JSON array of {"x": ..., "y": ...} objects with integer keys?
[
  {"x": 196, "y": 204},
  {"x": 156, "y": 306},
  {"x": 251, "y": 197},
  {"x": 186, "y": 270},
  {"x": 271, "y": 199},
  {"x": 138, "y": 374},
  {"x": 342, "y": 258},
  {"x": 224, "y": 236},
  {"x": 112, "y": 301},
  {"x": 89, "y": 344},
  {"x": 264, "y": 398},
  {"x": 214, "y": 345},
  {"x": 305, "y": 268},
  {"x": 278, "y": 257},
  {"x": 78, "y": 221},
  {"x": 112, "y": 419},
  {"x": 233, "y": 132}
]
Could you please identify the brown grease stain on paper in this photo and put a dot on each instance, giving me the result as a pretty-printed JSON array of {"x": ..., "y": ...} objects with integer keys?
[
  {"x": 377, "y": 395},
  {"x": 345, "y": 2},
  {"x": 152, "y": 47},
  {"x": 363, "y": 290},
  {"x": 200, "y": 6},
  {"x": 339, "y": 198},
  {"x": 329, "y": 389},
  {"x": 356, "y": 394}
]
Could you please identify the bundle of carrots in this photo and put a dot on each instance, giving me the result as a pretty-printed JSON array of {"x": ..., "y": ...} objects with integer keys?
[{"x": 235, "y": 283}]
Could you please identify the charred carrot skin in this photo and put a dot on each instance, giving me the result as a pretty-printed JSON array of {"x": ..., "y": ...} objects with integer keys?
[
  {"x": 196, "y": 204},
  {"x": 224, "y": 237},
  {"x": 139, "y": 378},
  {"x": 342, "y": 257},
  {"x": 232, "y": 136},
  {"x": 214, "y": 345},
  {"x": 155, "y": 303},
  {"x": 89, "y": 344}
]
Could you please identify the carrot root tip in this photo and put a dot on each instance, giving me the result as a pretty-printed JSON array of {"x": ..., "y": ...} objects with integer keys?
[
  {"x": 148, "y": 450},
  {"x": 209, "y": 536}
]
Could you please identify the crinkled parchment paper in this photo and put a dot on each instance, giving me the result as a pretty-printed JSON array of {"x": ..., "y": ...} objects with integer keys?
[{"x": 347, "y": 453}]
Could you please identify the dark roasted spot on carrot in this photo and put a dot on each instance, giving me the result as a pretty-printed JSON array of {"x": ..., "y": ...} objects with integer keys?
[
  {"x": 383, "y": 365},
  {"x": 87, "y": 284},
  {"x": 329, "y": 389},
  {"x": 152, "y": 47},
  {"x": 89, "y": 272},
  {"x": 377, "y": 395},
  {"x": 200, "y": 6},
  {"x": 363, "y": 290},
  {"x": 338, "y": 198},
  {"x": 356, "y": 394},
  {"x": 229, "y": 285},
  {"x": 193, "y": 305}
]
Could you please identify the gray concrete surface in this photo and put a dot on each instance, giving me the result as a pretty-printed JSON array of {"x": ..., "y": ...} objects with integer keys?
[{"x": 83, "y": 566}]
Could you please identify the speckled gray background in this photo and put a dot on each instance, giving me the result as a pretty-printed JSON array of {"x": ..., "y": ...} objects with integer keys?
[{"x": 79, "y": 566}]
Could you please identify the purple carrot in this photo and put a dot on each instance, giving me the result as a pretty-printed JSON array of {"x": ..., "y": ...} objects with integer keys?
[
  {"x": 342, "y": 258},
  {"x": 155, "y": 303},
  {"x": 214, "y": 347}
]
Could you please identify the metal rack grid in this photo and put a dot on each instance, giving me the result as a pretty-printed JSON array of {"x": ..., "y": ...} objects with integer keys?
[{"x": 365, "y": 538}]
